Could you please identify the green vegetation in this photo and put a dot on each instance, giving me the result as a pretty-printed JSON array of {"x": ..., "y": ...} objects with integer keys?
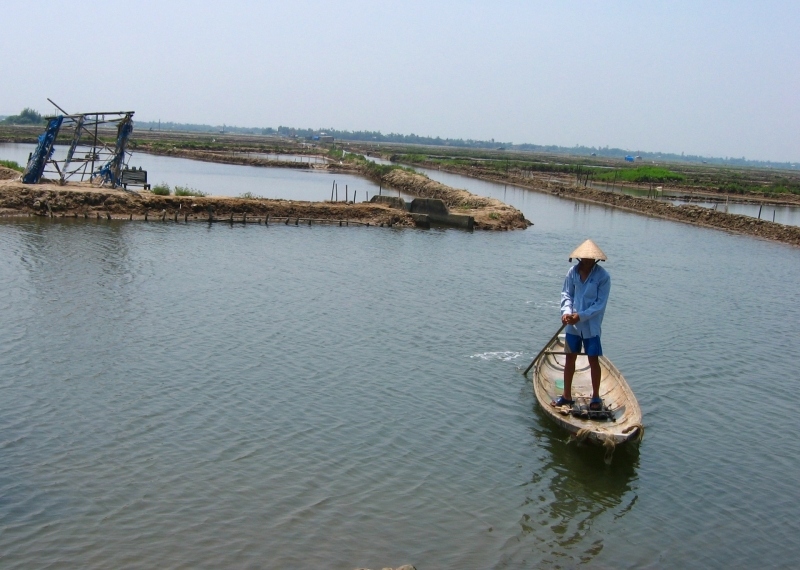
[
  {"x": 466, "y": 145},
  {"x": 488, "y": 162},
  {"x": 165, "y": 146},
  {"x": 642, "y": 174},
  {"x": 187, "y": 191},
  {"x": 26, "y": 117},
  {"x": 780, "y": 186},
  {"x": 161, "y": 189},
  {"x": 373, "y": 169},
  {"x": 251, "y": 196},
  {"x": 12, "y": 165}
]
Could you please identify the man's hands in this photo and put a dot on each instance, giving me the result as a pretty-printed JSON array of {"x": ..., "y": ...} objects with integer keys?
[{"x": 570, "y": 319}]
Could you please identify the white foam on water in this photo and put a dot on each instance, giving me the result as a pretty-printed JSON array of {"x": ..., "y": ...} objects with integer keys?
[{"x": 505, "y": 355}]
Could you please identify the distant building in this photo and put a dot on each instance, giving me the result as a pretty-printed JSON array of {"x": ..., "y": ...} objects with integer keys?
[
  {"x": 629, "y": 158},
  {"x": 325, "y": 138}
]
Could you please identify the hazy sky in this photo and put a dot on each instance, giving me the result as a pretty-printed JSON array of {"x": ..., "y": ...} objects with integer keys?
[{"x": 710, "y": 78}]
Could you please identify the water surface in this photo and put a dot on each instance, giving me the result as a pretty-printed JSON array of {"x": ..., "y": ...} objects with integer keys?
[
  {"x": 218, "y": 179},
  {"x": 186, "y": 396},
  {"x": 789, "y": 215}
]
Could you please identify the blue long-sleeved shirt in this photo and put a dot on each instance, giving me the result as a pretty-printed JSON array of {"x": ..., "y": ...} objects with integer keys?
[{"x": 587, "y": 298}]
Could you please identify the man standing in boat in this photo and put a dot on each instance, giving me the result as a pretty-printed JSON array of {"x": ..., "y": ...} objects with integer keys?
[{"x": 583, "y": 304}]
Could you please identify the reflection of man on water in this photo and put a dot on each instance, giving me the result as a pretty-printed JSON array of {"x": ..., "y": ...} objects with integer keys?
[{"x": 583, "y": 304}]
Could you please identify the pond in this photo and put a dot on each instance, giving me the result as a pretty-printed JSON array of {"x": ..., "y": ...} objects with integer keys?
[
  {"x": 321, "y": 397},
  {"x": 232, "y": 179}
]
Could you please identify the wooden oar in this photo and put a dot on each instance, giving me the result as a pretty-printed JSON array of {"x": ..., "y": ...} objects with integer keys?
[{"x": 555, "y": 336}]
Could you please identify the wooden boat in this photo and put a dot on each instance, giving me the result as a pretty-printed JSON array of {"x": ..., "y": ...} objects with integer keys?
[{"x": 618, "y": 422}]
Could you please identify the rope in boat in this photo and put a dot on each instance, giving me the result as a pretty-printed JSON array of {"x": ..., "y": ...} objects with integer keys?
[
  {"x": 608, "y": 442},
  {"x": 610, "y": 446},
  {"x": 639, "y": 435}
]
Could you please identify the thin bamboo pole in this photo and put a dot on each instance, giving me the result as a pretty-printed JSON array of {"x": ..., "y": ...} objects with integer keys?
[{"x": 555, "y": 336}]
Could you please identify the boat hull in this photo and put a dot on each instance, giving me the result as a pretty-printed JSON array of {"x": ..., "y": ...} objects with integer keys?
[{"x": 625, "y": 416}]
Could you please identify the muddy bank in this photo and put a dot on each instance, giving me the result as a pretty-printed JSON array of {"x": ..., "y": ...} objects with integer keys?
[
  {"x": 78, "y": 200},
  {"x": 489, "y": 213},
  {"x": 564, "y": 186},
  {"x": 686, "y": 213},
  {"x": 228, "y": 158},
  {"x": 8, "y": 173}
]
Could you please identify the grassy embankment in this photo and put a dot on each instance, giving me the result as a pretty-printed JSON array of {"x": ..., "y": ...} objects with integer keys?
[
  {"x": 12, "y": 165},
  {"x": 163, "y": 189},
  {"x": 705, "y": 178},
  {"x": 165, "y": 145},
  {"x": 690, "y": 176},
  {"x": 369, "y": 168}
]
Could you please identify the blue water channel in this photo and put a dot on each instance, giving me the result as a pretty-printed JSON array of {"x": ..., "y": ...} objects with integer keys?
[
  {"x": 789, "y": 215},
  {"x": 234, "y": 180},
  {"x": 195, "y": 396}
]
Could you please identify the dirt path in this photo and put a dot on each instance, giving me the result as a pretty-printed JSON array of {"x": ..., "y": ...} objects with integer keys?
[
  {"x": 564, "y": 186},
  {"x": 79, "y": 200},
  {"x": 488, "y": 213}
]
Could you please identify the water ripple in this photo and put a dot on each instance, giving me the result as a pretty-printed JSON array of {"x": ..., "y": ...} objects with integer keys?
[{"x": 186, "y": 396}]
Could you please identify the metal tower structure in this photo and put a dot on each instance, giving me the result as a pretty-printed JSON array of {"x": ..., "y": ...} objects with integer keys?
[{"x": 89, "y": 156}]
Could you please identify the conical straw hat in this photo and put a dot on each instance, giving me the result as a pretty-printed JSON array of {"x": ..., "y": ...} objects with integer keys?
[{"x": 588, "y": 250}]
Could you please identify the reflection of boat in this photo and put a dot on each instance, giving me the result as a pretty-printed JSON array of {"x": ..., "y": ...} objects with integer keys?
[
  {"x": 620, "y": 421},
  {"x": 571, "y": 499}
]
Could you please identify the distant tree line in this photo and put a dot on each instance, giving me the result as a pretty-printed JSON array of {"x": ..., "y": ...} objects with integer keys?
[
  {"x": 377, "y": 136},
  {"x": 27, "y": 117},
  {"x": 30, "y": 117}
]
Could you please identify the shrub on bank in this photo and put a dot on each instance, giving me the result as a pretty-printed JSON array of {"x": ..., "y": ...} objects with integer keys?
[
  {"x": 161, "y": 189},
  {"x": 12, "y": 165},
  {"x": 500, "y": 165},
  {"x": 187, "y": 191},
  {"x": 641, "y": 174},
  {"x": 781, "y": 186},
  {"x": 251, "y": 196}
]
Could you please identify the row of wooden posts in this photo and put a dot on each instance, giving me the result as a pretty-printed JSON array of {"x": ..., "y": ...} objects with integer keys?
[
  {"x": 335, "y": 193},
  {"x": 286, "y": 220},
  {"x": 652, "y": 191}
]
